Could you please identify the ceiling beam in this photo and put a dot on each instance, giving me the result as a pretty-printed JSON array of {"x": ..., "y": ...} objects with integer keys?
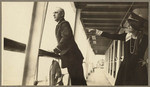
[
  {"x": 110, "y": 4},
  {"x": 102, "y": 13},
  {"x": 79, "y": 5},
  {"x": 105, "y": 19},
  {"x": 107, "y": 5},
  {"x": 100, "y": 26},
  {"x": 140, "y": 5},
  {"x": 101, "y": 21},
  {"x": 105, "y": 9},
  {"x": 108, "y": 31},
  {"x": 96, "y": 2},
  {"x": 101, "y": 16},
  {"x": 102, "y": 3}
]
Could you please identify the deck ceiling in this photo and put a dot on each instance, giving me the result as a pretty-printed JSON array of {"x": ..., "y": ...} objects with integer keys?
[{"x": 105, "y": 16}]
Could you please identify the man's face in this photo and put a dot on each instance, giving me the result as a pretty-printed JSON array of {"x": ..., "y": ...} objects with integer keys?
[{"x": 57, "y": 14}]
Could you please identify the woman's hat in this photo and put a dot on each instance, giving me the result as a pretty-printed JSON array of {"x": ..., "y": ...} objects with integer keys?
[
  {"x": 135, "y": 24},
  {"x": 136, "y": 21}
]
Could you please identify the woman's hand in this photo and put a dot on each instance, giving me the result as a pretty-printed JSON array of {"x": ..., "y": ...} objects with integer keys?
[
  {"x": 95, "y": 31},
  {"x": 143, "y": 62},
  {"x": 91, "y": 30},
  {"x": 98, "y": 32}
]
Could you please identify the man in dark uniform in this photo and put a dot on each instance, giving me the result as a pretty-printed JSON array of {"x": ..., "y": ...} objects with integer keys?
[{"x": 71, "y": 56}]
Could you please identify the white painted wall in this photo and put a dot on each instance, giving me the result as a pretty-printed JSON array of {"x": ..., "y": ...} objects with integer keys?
[
  {"x": 84, "y": 45},
  {"x": 16, "y": 20}
]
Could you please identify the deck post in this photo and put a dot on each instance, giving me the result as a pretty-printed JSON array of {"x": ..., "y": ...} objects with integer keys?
[{"x": 36, "y": 30}]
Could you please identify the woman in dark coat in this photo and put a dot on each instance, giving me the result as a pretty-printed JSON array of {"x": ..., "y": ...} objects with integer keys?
[{"x": 132, "y": 70}]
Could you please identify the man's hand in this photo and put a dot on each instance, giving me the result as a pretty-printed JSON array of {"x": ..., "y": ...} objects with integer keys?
[{"x": 57, "y": 51}]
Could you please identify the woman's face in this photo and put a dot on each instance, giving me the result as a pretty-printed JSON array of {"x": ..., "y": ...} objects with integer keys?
[{"x": 129, "y": 30}]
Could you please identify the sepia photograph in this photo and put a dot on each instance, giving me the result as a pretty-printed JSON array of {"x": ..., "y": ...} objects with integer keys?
[{"x": 74, "y": 43}]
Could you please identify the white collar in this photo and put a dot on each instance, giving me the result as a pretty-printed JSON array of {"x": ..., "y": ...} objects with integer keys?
[{"x": 129, "y": 36}]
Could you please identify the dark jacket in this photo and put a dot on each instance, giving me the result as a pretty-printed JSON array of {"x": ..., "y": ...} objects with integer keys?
[
  {"x": 64, "y": 36},
  {"x": 66, "y": 43}
]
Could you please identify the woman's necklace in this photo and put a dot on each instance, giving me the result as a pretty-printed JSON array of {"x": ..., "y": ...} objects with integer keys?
[{"x": 132, "y": 45}]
